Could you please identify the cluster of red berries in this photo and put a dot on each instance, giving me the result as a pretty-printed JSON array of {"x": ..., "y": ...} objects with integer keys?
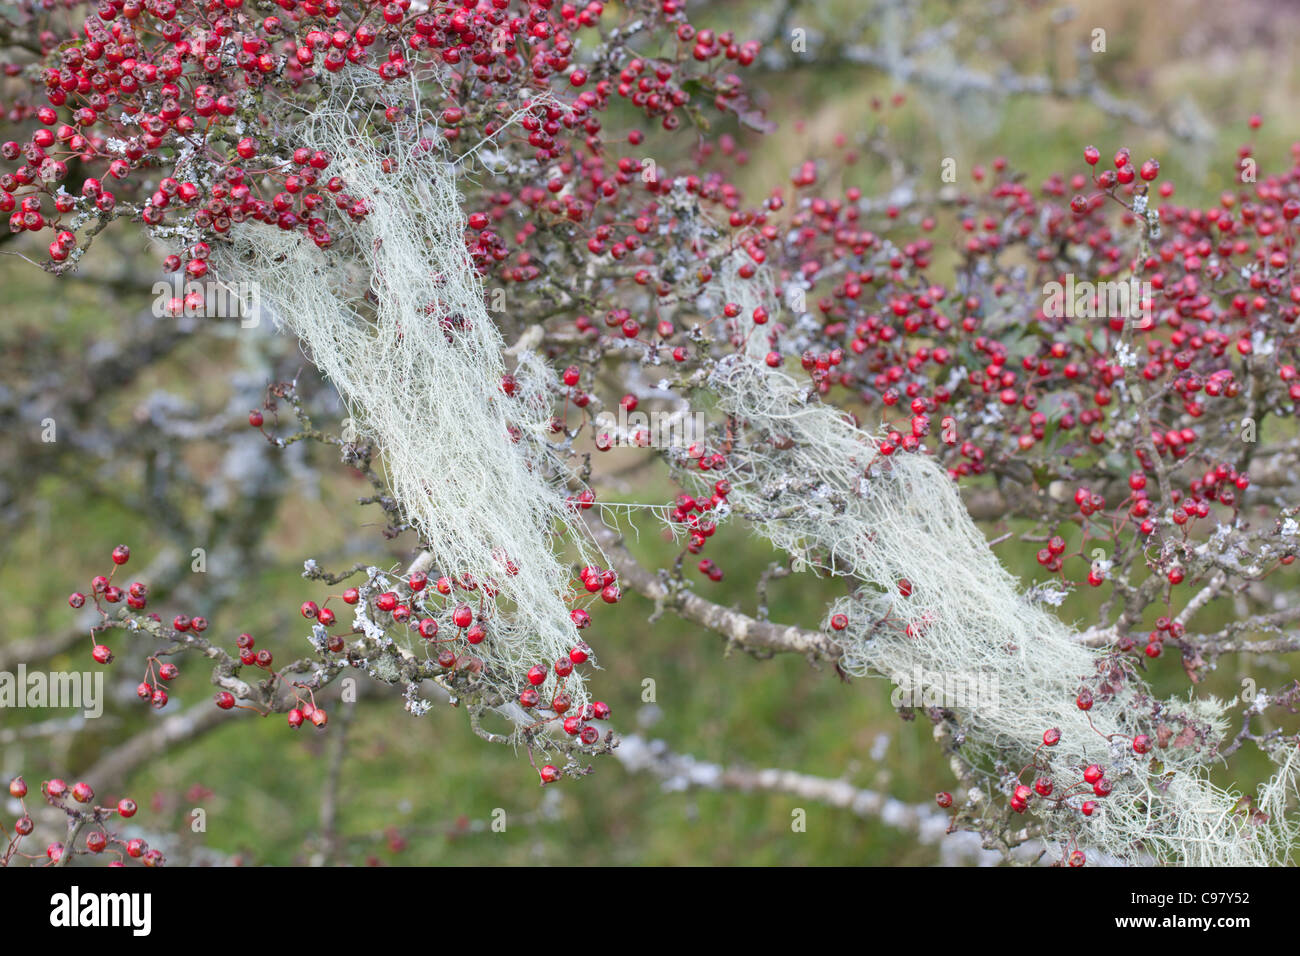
[
  {"x": 1092, "y": 779},
  {"x": 103, "y": 588},
  {"x": 142, "y": 81},
  {"x": 98, "y": 839},
  {"x": 158, "y": 673}
]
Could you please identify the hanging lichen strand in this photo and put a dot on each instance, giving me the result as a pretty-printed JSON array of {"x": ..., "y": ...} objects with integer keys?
[
  {"x": 394, "y": 315},
  {"x": 1127, "y": 772}
]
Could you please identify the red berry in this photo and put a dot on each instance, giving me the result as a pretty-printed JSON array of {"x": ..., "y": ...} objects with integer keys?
[
  {"x": 944, "y": 799},
  {"x": 225, "y": 700},
  {"x": 82, "y": 793},
  {"x": 1051, "y": 737},
  {"x": 126, "y": 807},
  {"x": 121, "y": 554},
  {"x": 18, "y": 788},
  {"x": 549, "y": 774},
  {"x": 536, "y": 675},
  {"x": 102, "y": 654}
]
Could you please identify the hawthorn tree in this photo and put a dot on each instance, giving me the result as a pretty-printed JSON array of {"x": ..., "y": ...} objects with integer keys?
[{"x": 469, "y": 217}]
